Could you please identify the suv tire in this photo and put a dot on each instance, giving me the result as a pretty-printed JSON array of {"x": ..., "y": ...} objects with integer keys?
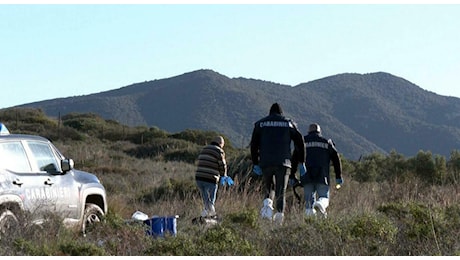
[
  {"x": 8, "y": 221},
  {"x": 93, "y": 215}
]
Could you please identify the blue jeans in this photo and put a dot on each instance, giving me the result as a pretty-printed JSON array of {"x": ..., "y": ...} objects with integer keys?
[
  {"x": 309, "y": 190},
  {"x": 208, "y": 194}
]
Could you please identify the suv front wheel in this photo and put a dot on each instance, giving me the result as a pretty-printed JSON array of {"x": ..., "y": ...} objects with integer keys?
[
  {"x": 93, "y": 215},
  {"x": 8, "y": 221}
]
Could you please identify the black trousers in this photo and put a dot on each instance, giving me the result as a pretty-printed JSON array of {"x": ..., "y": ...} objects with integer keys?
[{"x": 276, "y": 179}]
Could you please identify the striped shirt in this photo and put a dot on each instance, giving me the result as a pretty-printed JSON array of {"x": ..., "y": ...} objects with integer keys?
[{"x": 211, "y": 164}]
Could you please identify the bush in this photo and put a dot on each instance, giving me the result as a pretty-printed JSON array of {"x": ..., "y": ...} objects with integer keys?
[{"x": 371, "y": 234}]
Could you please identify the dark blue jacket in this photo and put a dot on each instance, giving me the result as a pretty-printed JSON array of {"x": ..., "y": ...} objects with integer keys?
[
  {"x": 319, "y": 154},
  {"x": 271, "y": 141}
]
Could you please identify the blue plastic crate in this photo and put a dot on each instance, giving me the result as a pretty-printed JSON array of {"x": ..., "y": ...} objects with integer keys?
[{"x": 159, "y": 226}]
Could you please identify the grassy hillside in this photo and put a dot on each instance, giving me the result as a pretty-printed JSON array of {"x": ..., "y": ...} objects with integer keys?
[{"x": 389, "y": 204}]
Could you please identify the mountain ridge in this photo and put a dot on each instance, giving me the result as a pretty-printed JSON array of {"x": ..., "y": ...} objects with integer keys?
[{"x": 362, "y": 113}]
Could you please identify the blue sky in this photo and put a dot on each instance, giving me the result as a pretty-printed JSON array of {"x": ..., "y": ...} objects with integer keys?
[{"x": 53, "y": 51}]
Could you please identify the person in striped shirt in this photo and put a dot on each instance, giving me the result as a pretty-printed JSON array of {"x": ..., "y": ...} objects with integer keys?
[{"x": 211, "y": 167}]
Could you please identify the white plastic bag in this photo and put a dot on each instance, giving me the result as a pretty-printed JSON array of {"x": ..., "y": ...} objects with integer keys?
[{"x": 140, "y": 216}]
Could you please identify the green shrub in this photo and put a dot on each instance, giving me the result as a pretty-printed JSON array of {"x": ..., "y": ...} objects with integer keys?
[
  {"x": 222, "y": 240},
  {"x": 172, "y": 189},
  {"x": 421, "y": 227},
  {"x": 372, "y": 234},
  {"x": 247, "y": 218},
  {"x": 83, "y": 249},
  {"x": 164, "y": 148}
]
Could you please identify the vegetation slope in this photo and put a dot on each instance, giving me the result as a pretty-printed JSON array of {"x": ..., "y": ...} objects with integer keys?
[{"x": 389, "y": 205}]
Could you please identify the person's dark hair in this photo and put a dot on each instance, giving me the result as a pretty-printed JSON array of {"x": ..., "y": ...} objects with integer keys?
[
  {"x": 276, "y": 109},
  {"x": 314, "y": 128}
]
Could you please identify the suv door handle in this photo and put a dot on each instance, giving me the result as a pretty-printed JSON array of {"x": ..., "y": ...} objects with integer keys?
[
  {"x": 49, "y": 182},
  {"x": 18, "y": 182}
]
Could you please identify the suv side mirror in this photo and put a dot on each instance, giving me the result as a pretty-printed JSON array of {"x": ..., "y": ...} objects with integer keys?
[
  {"x": 50, "y": 168},
  {"x": 67, "y": 165}
]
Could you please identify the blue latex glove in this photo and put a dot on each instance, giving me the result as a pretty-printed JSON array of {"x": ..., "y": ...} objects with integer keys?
[
  {"x": 226, "y": 180},
  {"x": 302, "y": 169},
  {"x": 256, "y": 169},
  {"x": 229, "y": 181},
  {"x": 222, "y": 181}
]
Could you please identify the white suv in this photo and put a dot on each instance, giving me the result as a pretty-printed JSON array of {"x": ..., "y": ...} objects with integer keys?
[{"x": 36, "y": 178}]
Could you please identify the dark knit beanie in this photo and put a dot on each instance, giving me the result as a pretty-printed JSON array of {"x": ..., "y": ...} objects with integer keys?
[{"x": 276, "y": 109}]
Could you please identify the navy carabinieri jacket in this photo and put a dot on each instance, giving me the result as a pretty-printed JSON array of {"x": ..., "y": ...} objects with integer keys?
[
  {"x": 319, "y": 154},
  {"x": 271, "y": 141}
]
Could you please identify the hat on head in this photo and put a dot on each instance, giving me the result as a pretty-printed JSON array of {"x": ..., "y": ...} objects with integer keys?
[
  {"x": 314, "y": 128},
  {"x": 276, "y": 109},
  {"x": 219, "y": 140}
]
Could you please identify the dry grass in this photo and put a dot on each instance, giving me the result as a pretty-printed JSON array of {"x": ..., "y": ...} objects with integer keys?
[{"x": 356, "y": 223}]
